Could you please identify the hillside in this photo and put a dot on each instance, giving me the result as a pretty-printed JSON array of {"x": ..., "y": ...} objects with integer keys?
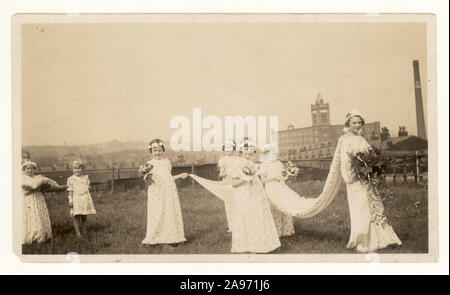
[{"x": 109, "y": 154}]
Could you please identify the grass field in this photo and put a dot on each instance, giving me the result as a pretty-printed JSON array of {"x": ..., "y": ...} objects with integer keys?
[{"x": 120, "y": 224}]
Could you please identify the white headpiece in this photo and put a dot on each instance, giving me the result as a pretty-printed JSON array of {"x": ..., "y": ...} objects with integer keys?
[
  {"x": 79, "y": 163},
  {"x": 351, "y": 114},
  {"x": 155, "y": 145},
  {"x": 28, "y": 164}
]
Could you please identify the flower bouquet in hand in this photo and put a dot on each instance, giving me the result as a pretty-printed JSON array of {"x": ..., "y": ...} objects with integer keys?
[
  {"x": 146, "y": 171},
  {"x": 369, "y": 168},
  {"x": 248, "y": 171},
  {"x": 291, "y": 170}
]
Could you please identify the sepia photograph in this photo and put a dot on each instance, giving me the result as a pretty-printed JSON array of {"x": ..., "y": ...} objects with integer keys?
[{"x": 225, "y": 137}]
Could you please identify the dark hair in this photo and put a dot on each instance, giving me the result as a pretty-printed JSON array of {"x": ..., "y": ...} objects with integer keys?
[
  {"x": 247, "y": 145},
  {"x": 347, "y": 123},
  {"x": 158, "y": 141},
  {"x": 233, "y": 143}
]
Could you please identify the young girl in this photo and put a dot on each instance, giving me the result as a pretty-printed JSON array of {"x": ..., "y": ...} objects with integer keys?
[
  {"x": 80, "y": 201},
  {"x": 164, "y": 219},
  {"x": 253, "y": 225},
  {"x": 271, "y": 171},
  {"x": 36, "y": 220}
]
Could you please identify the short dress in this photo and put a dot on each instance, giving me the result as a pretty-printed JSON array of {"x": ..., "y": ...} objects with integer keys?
[{"x": 81, "y": 198}]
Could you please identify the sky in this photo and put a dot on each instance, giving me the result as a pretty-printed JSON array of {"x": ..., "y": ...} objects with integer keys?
[{"x": 91, "y": 83}]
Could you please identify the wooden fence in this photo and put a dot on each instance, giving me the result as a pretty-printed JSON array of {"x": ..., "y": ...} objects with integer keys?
[
  {"x": 128, "y": 178},
  {"x": 406, "y": 167},
  {"x": 403, "y": 168}
]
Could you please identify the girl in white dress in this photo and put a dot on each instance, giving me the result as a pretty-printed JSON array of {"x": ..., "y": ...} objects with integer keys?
[
  {"x": 164, "y": 219},
  {"x": 80, "y": 201},
  {"x": 271, "y": 173},
  {"x": 253, "y": 226},
  {"x": 36, "y": 220},
  {"x": 225, "y": 163},
  {"x": 370, "y": 229}
]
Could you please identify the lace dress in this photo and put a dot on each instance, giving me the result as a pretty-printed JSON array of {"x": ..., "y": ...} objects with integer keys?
[
  {"x": 370, "y": 229},
  {"x": 283, "y": 221},
  {"x": 227, "y": 163},
  {"x": 253, "y": 226},
  {"x": 36, "y": 220},
  {"x": 81, "y": 198},
  {"x": 164, "y": 219}
]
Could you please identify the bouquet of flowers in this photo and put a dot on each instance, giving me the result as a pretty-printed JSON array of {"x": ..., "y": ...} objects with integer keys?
[
  {"x": 369, "y": 168},
  {"x": 291, "y": 170},
  {"x": 248, "y": 172},
  {"x": 146, "y": 171}
]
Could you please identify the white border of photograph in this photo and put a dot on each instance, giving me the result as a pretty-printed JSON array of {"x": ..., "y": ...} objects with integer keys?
[{"x": 371, "y": 268}]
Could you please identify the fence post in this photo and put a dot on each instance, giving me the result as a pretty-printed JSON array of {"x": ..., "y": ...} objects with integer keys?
[
  {"x": 394, "y": 175},
  {"x": 112, "y": 180},
  {"x": 192, "y": 180},
  {"x": 417, "y": 167}
]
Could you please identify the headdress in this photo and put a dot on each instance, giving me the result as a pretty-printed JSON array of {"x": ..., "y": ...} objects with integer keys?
[
  {"x": 247, "y": 143},
  {"x": 155, "y": 143},
  {"x": 229, "y": 145},
  {"x": 79, "y": 164},
  {"x": 28, "y": 164},
  {"x": 351, "y": 114}
]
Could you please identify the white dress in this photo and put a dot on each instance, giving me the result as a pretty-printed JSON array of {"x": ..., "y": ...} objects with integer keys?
[
  {"x": 36, "y": 220},
  {"x": 253, "y": 226},
  {"x": 81, "y": 198},
  {"x": 164, "y": 219},
  {"x": 370, "y": 229},
  {"x": 283, "y": 221},
  {"x": 227, "y": 163}
]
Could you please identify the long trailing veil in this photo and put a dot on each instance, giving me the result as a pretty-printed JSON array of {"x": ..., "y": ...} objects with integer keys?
[
  {"x": 218, "y": 188},
  {"x": 292, "y": 204},
  {"x": 301, "y": 207}
]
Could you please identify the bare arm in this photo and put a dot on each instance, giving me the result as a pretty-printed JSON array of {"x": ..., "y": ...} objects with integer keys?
[
  {"x": 265, "y": 179},
  {"x": 70, "y": 199},
  {"x": 53, "y": 184},
  {"x": 182, "y": 175},
  {"x": 237, "y": 182}
]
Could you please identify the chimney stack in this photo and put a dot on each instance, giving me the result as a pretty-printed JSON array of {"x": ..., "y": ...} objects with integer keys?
[{"x": 421, "y": 132}]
